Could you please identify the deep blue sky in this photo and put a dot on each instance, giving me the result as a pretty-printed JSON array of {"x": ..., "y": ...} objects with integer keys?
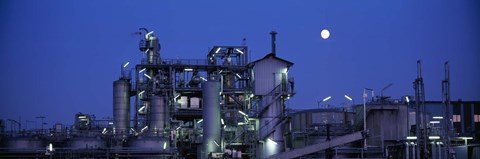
[{"x": 59, "y": 57}]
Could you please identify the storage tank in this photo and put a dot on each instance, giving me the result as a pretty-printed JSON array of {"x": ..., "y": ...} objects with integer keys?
[
  {"x": 211, "y": 117},
  {"x": 121, "y": 105},
  {"x": 157, "y": 113}
]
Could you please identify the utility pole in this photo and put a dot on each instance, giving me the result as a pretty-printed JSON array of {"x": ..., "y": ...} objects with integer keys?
[{"x": 446, "y": 110}]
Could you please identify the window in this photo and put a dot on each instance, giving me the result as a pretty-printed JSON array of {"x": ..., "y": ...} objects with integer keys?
[
  {"x": 457, "y": 118},
  {"x": 477, "y": 118}
]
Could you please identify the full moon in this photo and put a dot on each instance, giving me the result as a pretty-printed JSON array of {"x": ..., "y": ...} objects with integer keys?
[{"x": 325, "y": 34}]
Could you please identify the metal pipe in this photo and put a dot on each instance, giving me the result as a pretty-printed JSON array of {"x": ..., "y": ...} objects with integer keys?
[{"x": 274, "y": 41}]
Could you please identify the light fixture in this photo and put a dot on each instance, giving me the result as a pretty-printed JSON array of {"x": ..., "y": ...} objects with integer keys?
[
  {"x": 466, "y": 138},
  {"x": 411, "y": 137},
  {"x": 50, "y": 147},
  {"x": 214, "y": 141},
  {"x": 270, "y": 140},
  {"x": 165, "y": 145},
  {"x": 242, "y": 113},
  {"x": 437, "y": 117},
  {"x": 144, "y": 128},
  {"x": 325, "y": 99},
  {"x": 148, "y": 34},
  {"x": 350, "y": 99},
  {"x": 126, "y": 64},
  {"x": 142, "y": 70},
  {"x": 203, "y": 78},
  {"x": 407, "y": 99},
  {"x": 141, "y": 92},
  {"x": 218, "y": 50},
  {"x": 434, "y": 122},
  {"x": 434, "y": 137},
  {"x": 240, "y": 51},
  {"x": 239, "y": 77},
  {"x": 198, "y": 122},
  {"x": 223, "y": 123},
  {"x": 147, "y": 76},
  {"x": 187, "y": 69}
]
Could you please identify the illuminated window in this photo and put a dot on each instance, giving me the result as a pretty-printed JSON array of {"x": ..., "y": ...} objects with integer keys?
[
  {"x": 456, "y": 118},
  {"x": 477, "y": 118}
]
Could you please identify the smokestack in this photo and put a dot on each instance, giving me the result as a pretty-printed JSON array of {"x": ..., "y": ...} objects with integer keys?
[{"x": 274, "y": 34}]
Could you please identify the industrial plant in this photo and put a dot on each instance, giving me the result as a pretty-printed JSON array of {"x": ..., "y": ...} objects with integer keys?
[{"x": 225, "y": 106}]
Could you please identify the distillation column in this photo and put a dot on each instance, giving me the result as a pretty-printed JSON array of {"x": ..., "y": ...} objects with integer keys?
[{"x": 211, "y": 117}]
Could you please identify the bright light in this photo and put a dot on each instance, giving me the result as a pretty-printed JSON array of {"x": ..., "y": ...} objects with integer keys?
[
  {"x": 326, "y": 98},
  {"x": 325, "y": 34},
  {"x": 126, "y": 64},
  {"x": 142, "y": 70},
  {"x": 434, "y": 137},
  {"x": 223, "y": 123},
  {"x": 242, "y": 113},
  {"x": 466, "y": 138},
  {"x": 270, "y": 140},
  {"x": 198, "y": 122},
  {"x": 216, "y": 143},
  {"x": 104, "y": 130},
  {"x": 350, "y": 99},
  {"x": 165, "y": 145},
  {"x": 141, "y": 92},
  {"x": 50, "y": 147},
  {"x": 437, "y": 117},
  {"x": 238, "y": 76},
  {"x": 144, "y": 128},
  {"x": 408, "y": 99},
  {"x": 178, "y": 127},
  {"x": 147, "y": 76},
  {"x": 188, "y": 69},
  {"x": 141, "y": 109},
  {"x": 240, "y": 51},
  {"x": 411, "y": 137},
  {"x": 225, "y": 126},
  {"x": 203, "y": 79},
  {"x": 148, "y": 34},
  {"x": 82, "y": 117},
  {"x": 218, "y": 50},
  {"x": 434, "y": 122}
]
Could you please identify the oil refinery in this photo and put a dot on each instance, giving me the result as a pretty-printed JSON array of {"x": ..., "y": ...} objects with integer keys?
[{"x": 225, "y": 106}]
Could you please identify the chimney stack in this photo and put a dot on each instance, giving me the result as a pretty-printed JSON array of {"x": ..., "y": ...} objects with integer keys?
[{"x": 274, "y": 34}]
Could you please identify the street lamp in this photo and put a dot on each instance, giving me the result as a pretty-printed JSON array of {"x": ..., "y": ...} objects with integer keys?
[
  {"x": 350, "y": 99},
  {"x": 324, "y": 99},
  {"x": 365, "y": 95}
]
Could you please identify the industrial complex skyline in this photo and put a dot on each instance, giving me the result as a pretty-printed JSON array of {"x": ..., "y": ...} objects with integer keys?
[{"x": 58, "y": 58}]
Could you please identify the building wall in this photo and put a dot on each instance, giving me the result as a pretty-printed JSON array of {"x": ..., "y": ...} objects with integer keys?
[{"x": 268, "y": 74}]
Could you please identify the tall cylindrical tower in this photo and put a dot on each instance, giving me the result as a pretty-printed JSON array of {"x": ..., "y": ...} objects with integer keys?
[
  {"x": 157, "y": 113},
  {"x": 121, "y": 105},
  {"x": 211, "y": 117}
]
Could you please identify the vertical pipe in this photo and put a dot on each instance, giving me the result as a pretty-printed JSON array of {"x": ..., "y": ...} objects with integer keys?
[
  {"x": 274, "y": 41},
  {"x": 211, "y": 117}
]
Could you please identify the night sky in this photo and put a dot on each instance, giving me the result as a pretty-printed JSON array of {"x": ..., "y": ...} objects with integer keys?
[{"x": 58, "y": 58}]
